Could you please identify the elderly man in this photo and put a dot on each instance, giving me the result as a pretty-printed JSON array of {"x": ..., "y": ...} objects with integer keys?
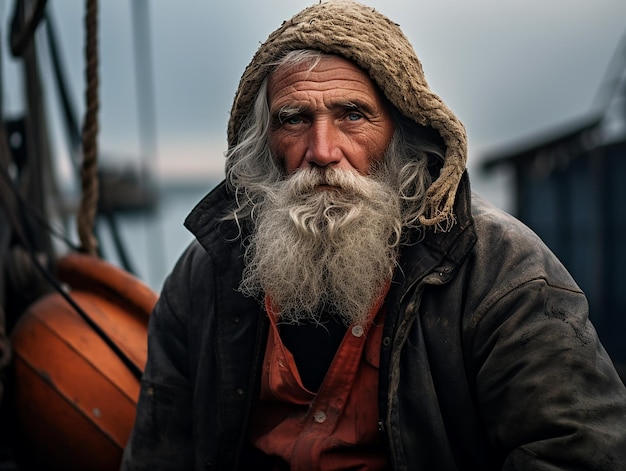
[{"x": 349, "y": 304}]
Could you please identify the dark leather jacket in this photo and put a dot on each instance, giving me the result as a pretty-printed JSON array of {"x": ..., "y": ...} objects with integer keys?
[{"x": 488, "y": 359}]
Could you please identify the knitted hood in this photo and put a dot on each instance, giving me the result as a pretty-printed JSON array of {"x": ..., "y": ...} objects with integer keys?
[{"x": 377, "y": 45}]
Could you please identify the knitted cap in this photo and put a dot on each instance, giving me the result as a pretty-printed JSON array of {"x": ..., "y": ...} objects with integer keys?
[{"x": 377, "y": 45}]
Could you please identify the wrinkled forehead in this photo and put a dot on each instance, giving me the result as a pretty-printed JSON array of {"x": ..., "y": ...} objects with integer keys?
[{"x": 314, "y": 71}]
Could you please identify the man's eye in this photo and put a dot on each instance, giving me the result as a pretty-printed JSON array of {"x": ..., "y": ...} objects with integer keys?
[
  {"x": 354, "y": 116},
  {"x": 292, "y": 120},
  {"x": 289, "y": 119}
]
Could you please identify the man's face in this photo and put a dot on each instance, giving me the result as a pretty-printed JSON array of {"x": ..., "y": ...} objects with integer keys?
[{"x": 331, "y": 115}]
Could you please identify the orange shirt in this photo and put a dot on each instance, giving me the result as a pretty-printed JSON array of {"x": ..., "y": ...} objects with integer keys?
[{"x": 335, "y": 429}]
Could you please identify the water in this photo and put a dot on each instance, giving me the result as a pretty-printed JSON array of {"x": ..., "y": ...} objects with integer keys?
[{"x": 154, "y": 241}]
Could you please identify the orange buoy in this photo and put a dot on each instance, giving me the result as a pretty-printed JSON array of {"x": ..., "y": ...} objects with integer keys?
[{"x": 74, "y": 397}]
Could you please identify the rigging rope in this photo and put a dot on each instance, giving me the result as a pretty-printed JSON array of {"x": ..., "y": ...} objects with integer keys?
[{"x": 89, "y": 171}]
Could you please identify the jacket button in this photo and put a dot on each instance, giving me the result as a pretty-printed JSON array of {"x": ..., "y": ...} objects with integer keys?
[
  {"x": 357, "y": 331},
  {"x": 386, "y": 341},
  {"x": 319, "y": 417}
]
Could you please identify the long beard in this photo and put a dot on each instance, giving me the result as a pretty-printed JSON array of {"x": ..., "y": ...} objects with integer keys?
[{"x": 330, "y": 249}]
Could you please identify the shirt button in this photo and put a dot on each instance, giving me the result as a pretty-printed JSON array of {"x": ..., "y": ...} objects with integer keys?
[
  {"x": 357, "y": 330},
  {"x": 319, "y": 416}
]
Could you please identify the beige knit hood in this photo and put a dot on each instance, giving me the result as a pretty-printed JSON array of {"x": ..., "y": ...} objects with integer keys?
[{"x": 377, "y": 45}]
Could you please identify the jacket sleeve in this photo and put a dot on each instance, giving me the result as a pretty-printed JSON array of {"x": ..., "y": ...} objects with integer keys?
[
  {"x": 162, "y": 435},
  {"x": 547, "y": 390}
]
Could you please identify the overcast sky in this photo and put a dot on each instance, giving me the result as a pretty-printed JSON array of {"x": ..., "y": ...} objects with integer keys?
[{"x": 507, "y": 68}]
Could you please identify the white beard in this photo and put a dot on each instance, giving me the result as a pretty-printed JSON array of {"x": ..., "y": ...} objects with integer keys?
[{"x": 320, "y": 250}]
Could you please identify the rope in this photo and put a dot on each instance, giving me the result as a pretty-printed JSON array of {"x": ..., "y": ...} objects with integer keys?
[{"x": 89, "y": 171}]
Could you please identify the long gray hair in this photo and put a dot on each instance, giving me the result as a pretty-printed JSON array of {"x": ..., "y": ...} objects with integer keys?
[{"x": 251, "y": 168}]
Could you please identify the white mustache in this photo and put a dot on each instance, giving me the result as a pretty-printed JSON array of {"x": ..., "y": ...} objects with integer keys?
[{"x": 307, "y": 180}]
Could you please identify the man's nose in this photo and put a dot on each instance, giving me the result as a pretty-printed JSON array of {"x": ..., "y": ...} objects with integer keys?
[{"x": 323, "y": 147}]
